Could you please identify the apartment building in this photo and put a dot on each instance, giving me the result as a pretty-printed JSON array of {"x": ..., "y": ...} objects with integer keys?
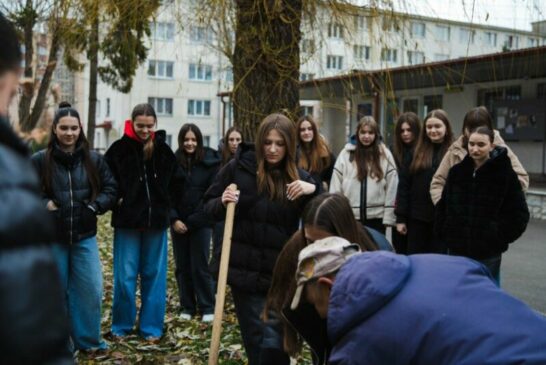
[{"x": 186, "y": 70}]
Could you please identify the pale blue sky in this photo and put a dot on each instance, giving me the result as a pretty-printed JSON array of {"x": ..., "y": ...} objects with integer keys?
[{"x": 516, "y": 14}]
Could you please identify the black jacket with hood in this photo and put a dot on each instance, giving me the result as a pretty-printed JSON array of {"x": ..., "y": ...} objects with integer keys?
[
  {"x": 193, "y": 182},
  {"x": 261, "y": 226},
  {"x": 483, "y": 210},
  {"x": 144, "y": 187},
  {"x": 76, "y": 217}
]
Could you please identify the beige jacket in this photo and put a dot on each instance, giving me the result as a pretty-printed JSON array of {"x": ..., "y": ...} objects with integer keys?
[
  {"x": 380, "y": 195},
  {"x": 456, "y": 153}
]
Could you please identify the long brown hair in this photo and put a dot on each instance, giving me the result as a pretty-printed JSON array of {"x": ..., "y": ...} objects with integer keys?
[
  {"x": 331, "y": 213},
  {"x": 146, "y": 110},
  {"x": 199, "y": 150},
  {"x": 368, "y": 159},
  {"x": 415, "y": 126},
  {"x": 273, "y": 181},
  {"x": 315, "y": 155},
  {"x": 226, "y": 152},
  {"x": 422, "y": 158},
  {"x": 66, "y": 110}
]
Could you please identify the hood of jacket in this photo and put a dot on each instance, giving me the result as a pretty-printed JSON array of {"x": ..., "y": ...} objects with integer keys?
[
  {"x": 364, "y": 284},
  {"x": 498, "y": 159},
  {"x": 246, "y": 157}
]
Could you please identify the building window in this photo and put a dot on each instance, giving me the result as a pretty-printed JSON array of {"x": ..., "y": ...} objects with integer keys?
[
  {"x": 306, "y": 76},
  {"x": 162, "y": 106},
  {"x": 206, "y": 141},
  {"x": 306, "y": 110},
  {"x": 308, "y": 46},
  {"x": 334, "y": 62},
  {"x": 431, "y": 102},
  {"x": 335, "y": 30},
  {"x": 491, "y": 39},
  {"x": 169, "y": 140},
  {"x": 229, "y": 74},
  {"x": 487, "y": 97},
  {"x": 440, "y": 57},
  {"x": 361, "y": 52},
  {"x": 418, "y": 30},
  {"x": 199, "y": 107},
  {"x": 389, "y": 24},
  {"x": 442, "y": 33},
  {"x": 415, "y": 58},
  {"x": 107, "y": 107},
  {"x": 360, "y": 22},
  {"x": 200, "y": 72},
  {"x": 410, "y": 105},
  {"x": 467, "y": 35},
  {"x": 389, "y": 55},
  {"x": 512, "y": 42},
  {"x": 162, "y": 31},
  {"x": 541, "y": 90},
  {"x": 160, "y": 69},
  {"x": 532, "y": 42},
  {"x": 200, "y": 34}
]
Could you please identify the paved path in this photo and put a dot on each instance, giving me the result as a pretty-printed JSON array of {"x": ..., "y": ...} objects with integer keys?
[{"x": 523, "y": 270}]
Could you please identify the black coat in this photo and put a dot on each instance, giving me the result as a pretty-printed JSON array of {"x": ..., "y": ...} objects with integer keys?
[
  {"x": 144, "y": 187},
  {"x": 481, "y": 212},
  {"x": 188, "y": 196},
  {"x": 76, "y": 217},
  {"x": 261, "y": 226},
  {"x": 413, "y": 194},
  {"x": 34, "y": 328}
]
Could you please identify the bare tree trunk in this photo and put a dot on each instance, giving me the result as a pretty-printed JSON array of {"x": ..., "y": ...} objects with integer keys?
[
  {"x": 93, "y": 73},
  {"x": 39, "y": 104},
  {"x": 266, "y": 61},
  {"x": 28, "y": 92}
]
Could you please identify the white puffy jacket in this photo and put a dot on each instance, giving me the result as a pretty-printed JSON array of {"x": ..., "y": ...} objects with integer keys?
[{"x": 380, "y": 195}]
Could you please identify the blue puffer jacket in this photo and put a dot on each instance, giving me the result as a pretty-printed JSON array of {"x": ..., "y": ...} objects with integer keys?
[{"x": 428, "y": 309}]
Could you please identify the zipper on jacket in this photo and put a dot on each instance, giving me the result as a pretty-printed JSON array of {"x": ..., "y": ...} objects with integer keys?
[
  {"x": 149, "y": 198},
  {"x": 71, "y": 205}
]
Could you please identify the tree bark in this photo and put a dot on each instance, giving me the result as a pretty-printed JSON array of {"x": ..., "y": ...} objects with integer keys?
[
  {"x": 39, "y": 104},
  {"x": 93, "y": 74},
  {"x": 266, "y": 61},
  {"x": 28, "y": 91}
]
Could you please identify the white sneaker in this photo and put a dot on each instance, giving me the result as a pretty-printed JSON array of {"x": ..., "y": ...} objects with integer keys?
[
  {"x": 185, "y": 316},
  {"x": 208, "y": 318}
]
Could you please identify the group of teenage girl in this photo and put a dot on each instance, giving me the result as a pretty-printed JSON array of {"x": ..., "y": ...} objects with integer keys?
[{"x": 438, "y": 195}]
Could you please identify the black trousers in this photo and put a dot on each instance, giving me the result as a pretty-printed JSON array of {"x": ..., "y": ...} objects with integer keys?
[
  {"x": 420, "y": 237},
  {"x": 400, "y": 242},
  {"x": 375, "y": 223}
]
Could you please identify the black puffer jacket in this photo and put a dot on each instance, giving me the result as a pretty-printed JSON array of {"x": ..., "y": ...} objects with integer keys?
[
  {"x": 261, "y": 226},
  {"x": 413, "y": 193},
  {"x": 481, "y": 212},
  {"x": 188, "y": 197},
  {"x": 144, "y": 187},
  {"x": 34, "y": 328},
  {"x": 77, "y": 214}
]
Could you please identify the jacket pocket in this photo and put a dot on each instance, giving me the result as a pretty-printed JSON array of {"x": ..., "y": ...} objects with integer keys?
[{"x": 88, "y": 220}]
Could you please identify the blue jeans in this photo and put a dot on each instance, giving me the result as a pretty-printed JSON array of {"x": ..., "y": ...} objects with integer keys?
[
  {"x": 191, "y": 254},
  {"x": 81, "y": 277},
  {"x": 141, "y": 253},
  {"x": 493, "y": 264},
  {"x": 259, "y": 337}
]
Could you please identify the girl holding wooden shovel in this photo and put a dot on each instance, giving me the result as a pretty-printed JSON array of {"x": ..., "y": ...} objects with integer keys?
[{"x": 272, "y": 194}]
